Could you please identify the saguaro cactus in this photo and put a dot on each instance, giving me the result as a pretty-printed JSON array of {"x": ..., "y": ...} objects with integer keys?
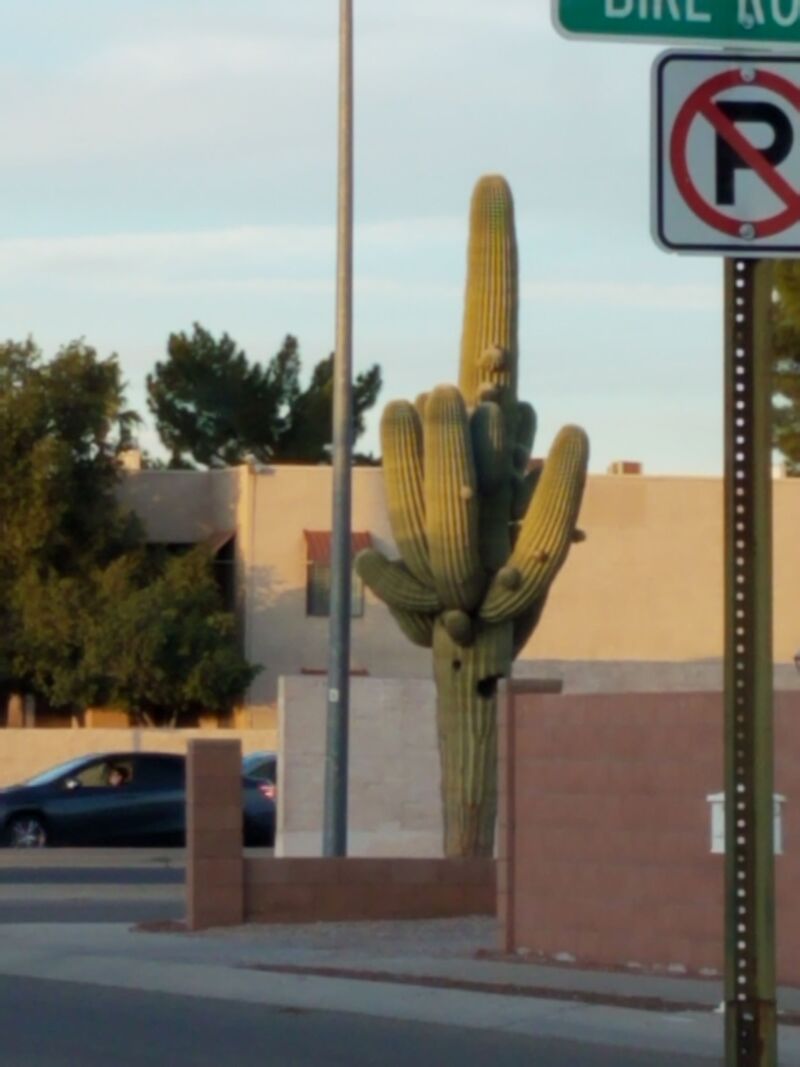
[{"x": 480, "y": 536}]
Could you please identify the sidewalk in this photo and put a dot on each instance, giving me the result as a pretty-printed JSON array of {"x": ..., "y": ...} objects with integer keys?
[{"x": 425, "y": 971}]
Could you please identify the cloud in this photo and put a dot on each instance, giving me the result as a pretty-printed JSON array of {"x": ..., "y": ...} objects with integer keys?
[
  {"x": 226, "y": 247},
  {"x": 401, "y": 260},
  {"x": 206, "y": 57}
]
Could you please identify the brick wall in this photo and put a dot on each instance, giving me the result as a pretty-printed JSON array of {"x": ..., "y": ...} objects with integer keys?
[
  {"x": 304, "y": 890},
  {"x": 605, "y": 828},
  {"x": 214, "y": 858}
]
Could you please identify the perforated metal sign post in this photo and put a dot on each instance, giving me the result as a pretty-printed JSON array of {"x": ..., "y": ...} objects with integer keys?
[{"x": 749, "y": 848}]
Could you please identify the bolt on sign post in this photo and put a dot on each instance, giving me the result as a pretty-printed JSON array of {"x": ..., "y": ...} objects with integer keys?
[
  {"x": 726, "y": 181},
  {"x": 334, "y": 841},
  {"x": 736, "y": 22}
]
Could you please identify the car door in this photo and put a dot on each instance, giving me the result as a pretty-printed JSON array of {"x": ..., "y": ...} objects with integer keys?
[
  {"x": 159, "y": 780},
  {"x": 86, "y": 808}
]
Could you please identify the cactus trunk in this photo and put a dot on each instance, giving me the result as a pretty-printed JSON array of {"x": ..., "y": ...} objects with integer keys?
[{"x": 466, "y": 709}]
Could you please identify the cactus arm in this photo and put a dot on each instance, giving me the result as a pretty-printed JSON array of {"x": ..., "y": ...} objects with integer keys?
[
  {"x": 417, "y": 627},
  {"x": 488, "y": 432},
  {"x": 495, "y": 530},
  {"x": 524, "y": 488},
  {"x": 401, "y": 441},
  {"x": 489, "y": 349},
  {"x": 451, "y": 502},
  {"x": 525, "y": 436},
  {"x": 393, "y": 583},
  {"x": 545, "y": 533}
]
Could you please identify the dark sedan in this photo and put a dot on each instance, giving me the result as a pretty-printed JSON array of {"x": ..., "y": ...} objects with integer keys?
[
  {"x": 264, "y": 767},
  {"x": 120, "y": 798}
]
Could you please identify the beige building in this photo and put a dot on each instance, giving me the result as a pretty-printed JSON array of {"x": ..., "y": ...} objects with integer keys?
[{"x": 637, "y": 605}]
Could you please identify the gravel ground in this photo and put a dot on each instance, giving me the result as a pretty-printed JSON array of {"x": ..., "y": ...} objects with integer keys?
[{"x": 393, "y": 939}]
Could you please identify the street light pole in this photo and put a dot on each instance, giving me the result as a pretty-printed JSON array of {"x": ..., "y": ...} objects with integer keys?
[{"x": 335, "y": 825}]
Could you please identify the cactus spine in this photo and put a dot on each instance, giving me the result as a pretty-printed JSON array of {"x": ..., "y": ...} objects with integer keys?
[{"x": 480, "y": 537}]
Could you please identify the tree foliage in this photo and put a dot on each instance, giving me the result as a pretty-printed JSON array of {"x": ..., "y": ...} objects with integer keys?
[
  {"x": 213, "y": 407},
  {"x": 172, "y": 647},
  {"x": 87, "y": 615}
]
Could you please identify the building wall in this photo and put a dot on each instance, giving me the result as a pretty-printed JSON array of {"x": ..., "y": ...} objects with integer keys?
[
  {"x": 604, "y": 842},
  {"x": 648, "y": 582},
  {"x": 640, "y": 601},
  {"x": 280, "y": 636}
]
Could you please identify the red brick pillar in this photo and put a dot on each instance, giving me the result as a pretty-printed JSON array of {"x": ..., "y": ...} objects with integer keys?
[
  {"x": 214, "y": 860},
  {"x": 507, "y": 882}
]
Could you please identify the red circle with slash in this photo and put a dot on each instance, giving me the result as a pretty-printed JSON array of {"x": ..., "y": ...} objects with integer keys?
[{"x": 701, "y": 102}]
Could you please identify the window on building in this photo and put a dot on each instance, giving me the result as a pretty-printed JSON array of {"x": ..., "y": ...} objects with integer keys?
[
  {"x": 318, "y": 573},
  {"x": 318, "y": 591}
]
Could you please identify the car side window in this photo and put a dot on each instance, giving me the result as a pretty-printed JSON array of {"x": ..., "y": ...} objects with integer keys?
[
  {"x": 160, "y": 773},
  {"x": 102, "y": 773}
]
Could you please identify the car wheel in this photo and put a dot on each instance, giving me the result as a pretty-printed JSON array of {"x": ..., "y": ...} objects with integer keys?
[{"x": 27, "y": 831}]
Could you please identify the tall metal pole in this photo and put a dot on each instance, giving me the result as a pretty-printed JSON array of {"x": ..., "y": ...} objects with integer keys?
[
  {"x": 749, "y": 849},
  {"x": 335, "y": 826}
]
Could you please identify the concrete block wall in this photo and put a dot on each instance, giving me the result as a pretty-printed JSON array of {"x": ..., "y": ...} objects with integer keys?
[
  {"x": 394, "y": 777},
  {"x": 604, "y": 846}
]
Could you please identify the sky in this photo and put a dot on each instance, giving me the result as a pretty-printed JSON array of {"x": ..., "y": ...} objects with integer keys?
[{"x": 175, "y": 161}]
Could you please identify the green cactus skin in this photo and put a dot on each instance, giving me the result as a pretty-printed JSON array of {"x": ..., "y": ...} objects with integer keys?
[
  {"x": 466, "y": 686},
  {"x": 481, "y": 537},
  {"x": 401, "y": 441},
  {"x": 417, "y": 627},
  {"x": 393, "y": 583},
  {"x": 451, "y": 501},
  {"x": 546, "y": 531},
  {"x": 526, "y": 433},
  {"x": 459, "y": 626},
  {"x": 489, "y": 446},
  {"x": 489, "y": 348}
]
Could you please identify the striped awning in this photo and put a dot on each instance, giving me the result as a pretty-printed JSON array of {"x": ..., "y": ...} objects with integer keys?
[{"x": 318, "y": 544}]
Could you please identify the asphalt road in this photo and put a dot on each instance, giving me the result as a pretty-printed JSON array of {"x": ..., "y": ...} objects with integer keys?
[
  {"x": 84, "y": 894},
  {"x": 88, "y": 911},
  {"x": 91, "y": 876},
  {"x": 60, "y": 1024}
]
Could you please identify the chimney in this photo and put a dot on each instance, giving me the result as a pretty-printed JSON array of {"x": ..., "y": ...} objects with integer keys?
[{"x": 625, "y": 466}]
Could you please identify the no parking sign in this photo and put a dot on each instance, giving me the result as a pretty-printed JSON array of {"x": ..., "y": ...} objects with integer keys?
[{"x": 727, "y": 153}]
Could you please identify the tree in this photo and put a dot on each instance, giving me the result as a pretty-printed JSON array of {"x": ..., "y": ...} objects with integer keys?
[
  {"x": 89, "y": 615},
  {"x": 786, "y": 370},
  {"x": 308, "y": 432},
  {"x": 214, "y": 408},
  {"x": 166, "y": 648},
  {"x": 61, "y": 425}
]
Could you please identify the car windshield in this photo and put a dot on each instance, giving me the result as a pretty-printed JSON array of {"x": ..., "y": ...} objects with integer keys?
[{"x": 53, "y": 773}]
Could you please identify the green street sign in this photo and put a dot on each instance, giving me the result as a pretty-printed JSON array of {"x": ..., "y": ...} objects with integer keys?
[{"x": 724, "y": 21}]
